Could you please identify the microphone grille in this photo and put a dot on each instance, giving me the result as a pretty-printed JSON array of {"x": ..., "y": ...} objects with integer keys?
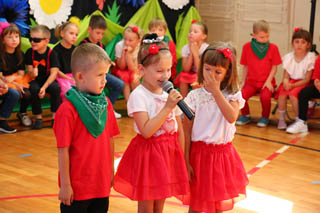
[{"x": 167, "y": 85}]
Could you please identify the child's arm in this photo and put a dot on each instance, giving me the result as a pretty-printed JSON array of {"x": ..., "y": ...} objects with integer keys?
[
  {"x": 285, "y": 81},
  {"x": 52, "y": 78},
  {"x": 32, "y": 72},
  {"x": 187, "y": 62},
  {"x": 66, "y": 192},
  {"x": 148, "y": 127},
  {"x": 304, "y": 81},
  {"x": 187, "y": 127},
  {"x": 121, "y": 62},
  {"x": 244, "y": 75},
  {"x": 62, "y": 75},
  {"x": 132, "y": 65},
  {"x": 181, "y": 133},
  {"x": 112, "y": 159},
  {"x": 268, "y": 82},
  {"x": 194, "y": 49}
]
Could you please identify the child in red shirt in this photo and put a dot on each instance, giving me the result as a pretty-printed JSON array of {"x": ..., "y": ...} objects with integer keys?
[
  {"x": 84, "y": 127},
  {"x": 260, "y": 59}
]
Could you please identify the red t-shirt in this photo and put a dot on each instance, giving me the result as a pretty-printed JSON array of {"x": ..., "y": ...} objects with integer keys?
[
  {"x": 316, "y": 71},
  {"x": 90, "y": 158},
  {"x": 259, "y": 70}
]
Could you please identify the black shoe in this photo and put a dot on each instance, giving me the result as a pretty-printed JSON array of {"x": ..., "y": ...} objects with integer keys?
[
  {"x": 4, "y": 127},
  {"x": 37, "y": 124}
]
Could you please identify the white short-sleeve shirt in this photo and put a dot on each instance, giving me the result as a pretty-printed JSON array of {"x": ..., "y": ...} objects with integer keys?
[
  {"x": 119, "y": 48},
  {"x": 210, "y": 126},
  {"x": 142, "y": 100},
  {"x": 185, "y": 52},
  {"x": 298, "y": 70}
]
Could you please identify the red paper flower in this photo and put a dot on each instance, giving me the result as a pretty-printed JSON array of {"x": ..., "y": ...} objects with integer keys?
[
  {"x": 135, "y": 29},
  {"x": 193, "y": 21},
  {"x": 227, "y": 53},
  {"x": 153, "y": 49},
  {"x": 297, "y": 29}
]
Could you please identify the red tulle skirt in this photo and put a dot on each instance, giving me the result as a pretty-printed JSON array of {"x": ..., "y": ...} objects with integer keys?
[
  {"x": 293, "y": 92},
  {"x": 152, "y": 169},
  {"x": 126, "y": 75},
  {"x": 65, "y": 85},
  {"x": 186, "y": 77},
  {"x": 219, "y": 177}
]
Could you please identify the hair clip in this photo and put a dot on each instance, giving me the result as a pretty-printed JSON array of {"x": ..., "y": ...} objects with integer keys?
[
  {"x": 193, "y": 21},
  {"x": 135, "y": 29},
  {"x": 227, "y": 52},
  {"x": 152, "y": 38},
  {"x": 3, "y": 25},
  {"x": 297, "y": 29},
  {"x": 153, "y": 49}
]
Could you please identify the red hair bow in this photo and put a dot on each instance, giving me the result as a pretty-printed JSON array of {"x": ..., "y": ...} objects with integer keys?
[
  {"x": 193, "y": 21},
  {"x": 227, "y": 53},
  {"x": 297, "y": 29},
  {"x": 153, "y": 49},
  {"x": 135, "y": 29},
  {"x": 37, "y": 63}
]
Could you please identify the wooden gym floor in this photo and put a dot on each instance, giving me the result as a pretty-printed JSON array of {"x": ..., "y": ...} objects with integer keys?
[{"x": 283, "y": 169}]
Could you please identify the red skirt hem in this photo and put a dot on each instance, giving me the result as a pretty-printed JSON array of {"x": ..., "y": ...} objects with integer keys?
[
  {"x": 126, "y": 75},
  {"x": 186, "y": 77}
]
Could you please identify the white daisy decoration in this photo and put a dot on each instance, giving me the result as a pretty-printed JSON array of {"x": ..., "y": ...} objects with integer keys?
[
  {"x": 50, "y": 12},
  {"x": 175, "y": 4}
]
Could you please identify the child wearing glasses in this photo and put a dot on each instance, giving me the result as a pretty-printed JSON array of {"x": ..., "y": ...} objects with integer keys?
[{"x": 43, "y": 65}]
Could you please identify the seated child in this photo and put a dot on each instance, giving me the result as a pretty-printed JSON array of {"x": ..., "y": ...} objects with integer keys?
[{"x": 43, "y": 65}]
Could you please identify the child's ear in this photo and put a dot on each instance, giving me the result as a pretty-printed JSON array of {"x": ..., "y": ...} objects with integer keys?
[
  {"x": 78, "y": 76},
  {"x": 204, "y": 36},
  {"x": 89, "y": 29},
  {"x": 141, "y": 68}
]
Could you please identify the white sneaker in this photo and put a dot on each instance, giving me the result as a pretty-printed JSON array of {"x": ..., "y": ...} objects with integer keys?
[
  {"x": 299, "y": 126},
  {"x": 118, "y": 115}
]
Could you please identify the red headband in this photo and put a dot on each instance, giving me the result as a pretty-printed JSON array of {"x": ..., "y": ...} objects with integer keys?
[
  {"x": 297, "y": 29},
  {"x": 135, "y": 29},
  {"x": 193, "y": 21},
  {"x": 227, "y": 53}
]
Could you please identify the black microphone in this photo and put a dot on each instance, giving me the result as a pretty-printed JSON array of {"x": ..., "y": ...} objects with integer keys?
[{"x": 168, "y": 86}]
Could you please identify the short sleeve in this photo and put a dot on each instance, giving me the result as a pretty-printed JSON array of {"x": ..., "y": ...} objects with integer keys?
[
  {"x": 244, "y": 57},
  {"x": 64, "y": 124},
  {"x": 276, "y": 58},
  {"x": 185, "y": 52},
  {"x": 190, "y": 100},
  {"x": 119, "y": 48},
  {"x": 237, "y": 97},
  {"x": 137, "y": 102},
  {"x": 54, "y": 62},
  {"x": 311, "y": 61},
  {"x": 111, "y": 121},
  {"x": 28, "y": 57},
  {"x": 286, "y": 61}
]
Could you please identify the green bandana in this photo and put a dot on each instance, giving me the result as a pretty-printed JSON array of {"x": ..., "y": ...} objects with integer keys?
[
  {"x": 92, "y": 109},
  {"x": 259, "y": 49},
  {"x": 166, "y": 39}
]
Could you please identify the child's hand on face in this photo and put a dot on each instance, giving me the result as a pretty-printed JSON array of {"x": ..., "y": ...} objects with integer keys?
[
  {"x": 173, "y": 98},
  {"x": 129, "y": 49},
  {"x": 317, "y": 84},
  {"x": 194, "y": 47},
  {"x": 210, "y": 82}
]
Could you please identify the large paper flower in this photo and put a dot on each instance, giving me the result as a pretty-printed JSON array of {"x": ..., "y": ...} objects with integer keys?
[
  {"x": 15, "y": 11},
  {"x": 175, "y": 4},
  {"x": 50, "y": 12}
]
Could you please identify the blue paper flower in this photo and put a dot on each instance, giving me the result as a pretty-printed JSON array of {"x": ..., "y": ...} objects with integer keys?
[
  {"x": 15, "y": 11},
  {"x": 135, "y": 3}
]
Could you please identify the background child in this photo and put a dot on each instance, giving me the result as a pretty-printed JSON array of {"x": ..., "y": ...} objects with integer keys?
[
  {"x": 215, "y": 169},
  {"x": 153, "y": 168},
  {"x": 298, "y": 66},
  {"x": 191, "y": 54},
  {"x": 85, "y": 126},
  {"x": 259, "y": 59},
  {"x": 68, "y": 32},
  {"x": 96, "y": 29},
  {"x": 43, "y": 65},
  {"x": 10, "y": 98},
  {"x": 126, "y": 59},
  {"x": 159, "y": 26},
  {"x": 306, "y": 94},
  {"x": 12, "y": 69}
]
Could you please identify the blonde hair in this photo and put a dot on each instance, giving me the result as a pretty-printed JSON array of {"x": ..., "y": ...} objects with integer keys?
[
  {"x": 41, "y": 29},
  {"x": 130, "y": 29},
  {"x": 61, "y": 27},
  {"x": 144, "y": 56},
  {"x": 261, "y": 25},
  {"x": 215, "y": 57},
  {"x": 87, "y": 55},
  {"x": 203, "y": 27},
  {"x": 158, "y": 22}
]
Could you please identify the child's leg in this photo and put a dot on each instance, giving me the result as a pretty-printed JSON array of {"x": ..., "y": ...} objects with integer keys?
[
  {"x": 247, "y": 92},
  {"x": 35, "y": 100},
  {"x": 25, "y": 100},
  {"x": 145, "y": 206},
  {"x": 265, "y": 99},
  {"x": 282, "y": 105},
  {"x": 158, "y": 206},
  {"x": 184, "y": 87},
  {"x": 126, "y": 91},
  {"x": 55, "y": 100},
  {"x": 295, "y": 106},
  {"x": 116, "y": 86},
  {"x": 304, "y": 96},
  {"x": 99, "y": 205}
]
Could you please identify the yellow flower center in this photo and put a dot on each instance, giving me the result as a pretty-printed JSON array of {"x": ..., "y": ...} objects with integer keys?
[{"x": 50, "y": 6}]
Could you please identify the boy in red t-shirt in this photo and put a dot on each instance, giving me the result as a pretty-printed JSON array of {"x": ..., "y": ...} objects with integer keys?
[
  {"x": 84, "y": 127},
  {"x": 260, "y": 59}
]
